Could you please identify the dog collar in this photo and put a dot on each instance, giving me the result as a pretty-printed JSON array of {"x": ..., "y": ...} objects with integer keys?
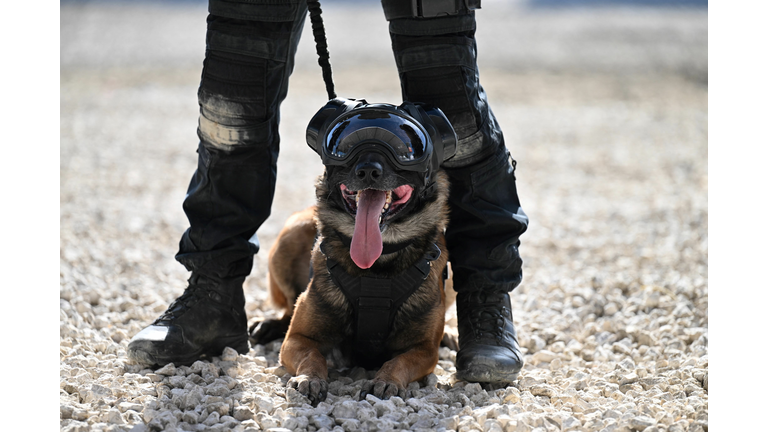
[{"x": 375, "y": 301}]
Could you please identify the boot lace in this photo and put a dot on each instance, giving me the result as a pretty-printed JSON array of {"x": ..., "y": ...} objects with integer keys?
[
  {"x": 179, "y": 306},
  {"x": 487, "y": 316},
  {"x": 195, "y": 292}
]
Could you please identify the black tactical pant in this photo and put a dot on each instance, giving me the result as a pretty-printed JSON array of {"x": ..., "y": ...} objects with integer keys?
[{"x": 249, "y": 58}]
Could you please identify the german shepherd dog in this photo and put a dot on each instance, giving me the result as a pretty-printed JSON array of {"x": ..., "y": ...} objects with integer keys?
[{"x": 372, "y": 221}]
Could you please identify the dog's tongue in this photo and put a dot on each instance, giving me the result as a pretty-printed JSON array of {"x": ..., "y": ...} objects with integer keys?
[{"x": 366, "y": 244}]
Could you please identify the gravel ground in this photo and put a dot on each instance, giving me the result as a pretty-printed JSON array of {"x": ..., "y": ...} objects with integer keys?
[{"x": 605, "y": 111}]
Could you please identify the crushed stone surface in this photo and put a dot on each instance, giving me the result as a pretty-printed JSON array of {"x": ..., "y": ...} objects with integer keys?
[{"x": 610, "y": 134}]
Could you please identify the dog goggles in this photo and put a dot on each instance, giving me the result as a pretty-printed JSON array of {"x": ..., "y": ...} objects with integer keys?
[
  {"x": 413, "y": 137},
  {"x": 406, "y": 139}
]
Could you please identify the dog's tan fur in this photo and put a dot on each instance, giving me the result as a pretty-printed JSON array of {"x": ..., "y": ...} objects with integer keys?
[{"x": 322, "y": 318}]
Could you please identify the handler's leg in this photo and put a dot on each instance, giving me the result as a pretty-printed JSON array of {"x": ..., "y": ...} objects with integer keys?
[
  {"x": 250, "y": 48},
  {"x": 437, "y": 61}
]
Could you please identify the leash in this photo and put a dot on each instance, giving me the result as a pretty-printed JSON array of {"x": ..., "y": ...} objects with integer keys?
[{"x": 321, "y": 45}]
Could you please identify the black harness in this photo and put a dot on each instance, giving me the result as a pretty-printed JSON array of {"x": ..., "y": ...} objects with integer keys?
[{"x": 375, "y": 301}]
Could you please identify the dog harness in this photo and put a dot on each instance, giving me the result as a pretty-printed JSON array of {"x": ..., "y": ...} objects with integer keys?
[{"x": 375, "y": 301}]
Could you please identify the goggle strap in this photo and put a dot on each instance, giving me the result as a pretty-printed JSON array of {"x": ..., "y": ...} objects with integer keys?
[{"x": 429, "y": 189}]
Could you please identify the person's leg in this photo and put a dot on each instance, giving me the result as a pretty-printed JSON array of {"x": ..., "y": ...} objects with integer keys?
[
  {"x": 249, "y": 56},
  {"x": 437, "y": 62}
]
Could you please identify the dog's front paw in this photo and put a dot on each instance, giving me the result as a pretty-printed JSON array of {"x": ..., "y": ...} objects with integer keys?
[
  {"x": 264, "y": 332},
  {"x": 381, "y": 389},
  {"x": 314, "y": 388}
]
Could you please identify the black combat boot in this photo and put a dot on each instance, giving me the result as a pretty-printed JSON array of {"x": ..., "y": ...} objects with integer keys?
[
  {"x": 483, "y": 243},
  {"x": 206, "y": 318},
  {"x": 489, "y": 351}
]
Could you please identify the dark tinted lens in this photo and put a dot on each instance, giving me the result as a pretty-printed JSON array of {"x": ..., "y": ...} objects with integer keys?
[{"x": 402, "y": 136}]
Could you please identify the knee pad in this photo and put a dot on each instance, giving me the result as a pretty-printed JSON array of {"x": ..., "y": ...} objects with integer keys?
[
  {"x": 437, "y": 62},
  {"x": 244, "y": 79},
  {"x": 232, "y": 101}
]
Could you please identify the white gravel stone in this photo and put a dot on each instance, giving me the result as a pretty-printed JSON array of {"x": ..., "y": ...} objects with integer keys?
[
  {"x": 168, "y": 370},
  {"x": 322, "y": 421},
  {"x": 365, "y": 411},
  {"x": 640, "y": 423},
  {"x": 345, "y": 410},
  {"x": 543, "y": 356},
  {"x": 229, "y": 354},
  {"x": 212, "y": 419},
  {"x": 190, "y": 417},
  {"x": 113, "y": 416},
  {"x": 266, "y": 421},
  {"x": 571, "y": 423},
  {"x": 242, "y": 413},
  {"x": 543, "y": 390},
  {"x": 511, "y": 395}
]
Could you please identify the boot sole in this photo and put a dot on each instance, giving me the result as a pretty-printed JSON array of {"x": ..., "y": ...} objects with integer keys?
[
  {"x": 239, "y": 344},
  {"x": 486, "y": 375}
]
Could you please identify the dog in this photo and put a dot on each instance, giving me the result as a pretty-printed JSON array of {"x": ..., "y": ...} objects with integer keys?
[{"x": 376, "y": 294}]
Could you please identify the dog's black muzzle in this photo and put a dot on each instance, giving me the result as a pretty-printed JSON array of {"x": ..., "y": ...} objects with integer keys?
[{"x": 372, "y": 171}]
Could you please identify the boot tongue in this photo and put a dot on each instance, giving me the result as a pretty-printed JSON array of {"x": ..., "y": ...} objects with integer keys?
[{"x": 366, "y": 244}]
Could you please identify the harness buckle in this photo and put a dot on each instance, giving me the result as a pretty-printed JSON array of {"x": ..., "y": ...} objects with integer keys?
[{"x": 433, "y": 253}]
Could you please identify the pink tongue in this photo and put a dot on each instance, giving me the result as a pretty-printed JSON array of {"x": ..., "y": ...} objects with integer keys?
[{"x": 366, "y": 244}]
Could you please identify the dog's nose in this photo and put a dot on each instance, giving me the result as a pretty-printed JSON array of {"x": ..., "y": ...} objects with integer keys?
[{"x": 369, "y": 170}]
